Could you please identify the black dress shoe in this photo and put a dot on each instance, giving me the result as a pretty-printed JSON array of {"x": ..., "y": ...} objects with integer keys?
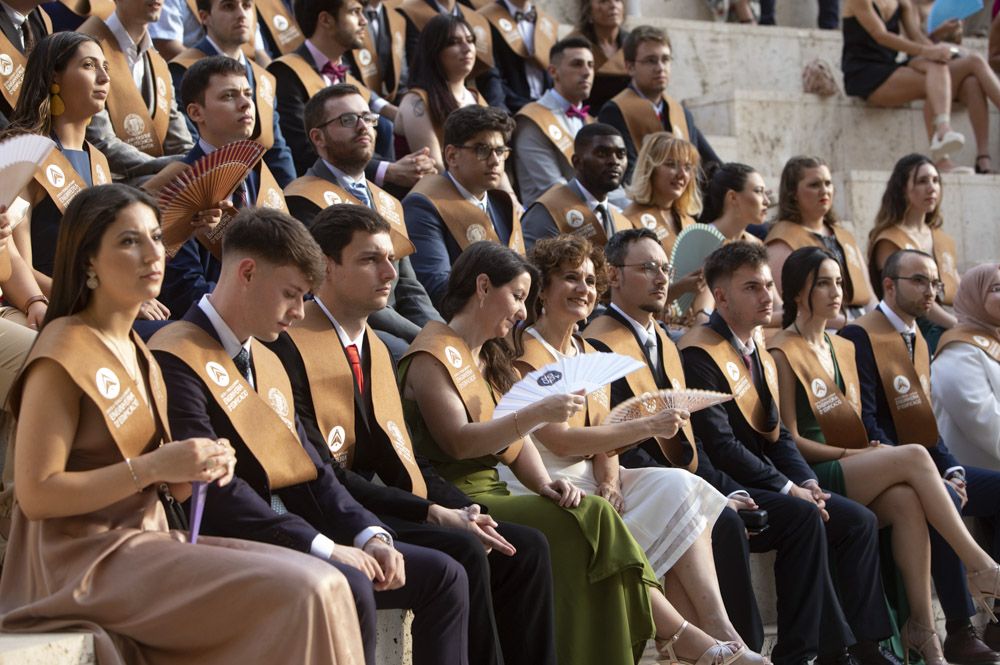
[
  {"x": 963, "y": 646},
  {"x": 991, "y": 636},
  {"x": 843, "y": 657},
  {"x": 867, "y": 652}
]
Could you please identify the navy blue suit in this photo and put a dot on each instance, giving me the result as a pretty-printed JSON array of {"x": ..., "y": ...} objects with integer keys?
[
  {"x": 741, "y": 458},
  {"x": 982, "y": 485}
]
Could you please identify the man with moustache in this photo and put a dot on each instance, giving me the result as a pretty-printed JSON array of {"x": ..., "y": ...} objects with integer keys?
[
  {"x": 752, "y": 451},
  {"x": 22, "y": 24},
  {"x": 581, "y": 206},
  {"x": 447, "y": 213},
  {"x": 894, "y": 372},
  {"x": 543, "y": 140},
  {"x": 345, "y": 390}
]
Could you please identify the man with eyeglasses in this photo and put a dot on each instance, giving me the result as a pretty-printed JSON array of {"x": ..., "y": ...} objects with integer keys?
[
  {"x": 644, "y": 106},
  {"x": 581, "y": 206},
  {"x": 447, "y": 213},
  {"x": 342, "y": 131},
  {"x": 893, "y": 363}
]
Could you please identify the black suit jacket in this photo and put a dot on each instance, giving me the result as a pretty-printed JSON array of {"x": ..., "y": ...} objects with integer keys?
[
  {"x": 506, "y": 82},
  {"x": 36, "y": 24},
  {"x": 733, "y": 446},
  {"x": 242, "y": 509}
]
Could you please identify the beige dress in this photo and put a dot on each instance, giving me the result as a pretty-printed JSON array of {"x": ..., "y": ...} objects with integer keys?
[{"x": 146, "y": 594}]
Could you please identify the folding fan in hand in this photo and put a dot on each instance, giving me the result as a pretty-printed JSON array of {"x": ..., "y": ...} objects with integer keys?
[
  {"x": 20, "y": 158},
  {"x": 585, "y": 372},
  {"x": 648, "y": 404},
  {"x": 692, "y": 247}
]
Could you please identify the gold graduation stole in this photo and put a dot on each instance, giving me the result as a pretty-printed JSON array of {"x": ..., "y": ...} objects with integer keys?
[
  {"x": 61, "y": 181},
  {"x": 837, "y": 411},
  {"x": 906, "y": 383},
  {"x": 441, "y": 342},
  {"x": 741, "y": 385},
  {"x": 553, "y": 129},
  {"x": 659, "y": 221},
  {"x": 620, "y": 339},
  {"x": 269, "y": 194},
  {"x": 96, "y": 370},
  {"x": 466, "y": 222},
  {"x": 12, "y": 62},
  {"x": 613, "y": 66},
  {"x": 641, "y": 119},
  {"x": 281, "y": 24},
  {"x": 263, "y": 418},
  {"x": 796, "y": 236},
  {"x": 331, "y": 382},
  {"x": 129, "y": 114},
  {"x": 312, "y": 80},
  {"x": 984, "y": 340},
  {"x": 421, "y": 13},
  {"x": 372, "y": 71},
  {"x": 323, "y": 193},
  {"x": 439, "y": 127},
  {"x": 545, "y": 33},
  {"x": 572, "y": 214},
  {"x": 943, "y": 252}
]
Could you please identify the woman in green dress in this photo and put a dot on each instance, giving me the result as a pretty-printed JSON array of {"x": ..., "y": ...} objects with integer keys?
[
  {"x": 607, "y": 599},
  {"x": 820, "y": 406}
]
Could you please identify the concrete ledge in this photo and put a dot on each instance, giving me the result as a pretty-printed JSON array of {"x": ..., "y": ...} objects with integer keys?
[
  {"x": 394, "y": 644},
  {"x": 47, "y": 649}
]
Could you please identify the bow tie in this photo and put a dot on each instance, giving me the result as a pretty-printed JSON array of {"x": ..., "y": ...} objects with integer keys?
[
  {"x": 335, "y": 72},
  {"x": 580, "y": 112},
  {"x": 530, "y": 16}
]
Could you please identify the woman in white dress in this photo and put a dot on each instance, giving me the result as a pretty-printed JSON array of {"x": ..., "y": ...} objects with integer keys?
[{"x": 670, "y": 512}]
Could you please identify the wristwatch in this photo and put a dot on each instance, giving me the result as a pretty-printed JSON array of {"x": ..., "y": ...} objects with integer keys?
[{"x": 384, "y": 537}]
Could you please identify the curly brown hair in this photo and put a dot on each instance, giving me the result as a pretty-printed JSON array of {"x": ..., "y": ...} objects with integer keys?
[{"x": 565, "y": 251}]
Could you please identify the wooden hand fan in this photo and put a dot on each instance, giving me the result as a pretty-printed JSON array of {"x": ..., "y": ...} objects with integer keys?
[
  {"x": 648, "y": 404},
  {"x": 20, "y": 158}
]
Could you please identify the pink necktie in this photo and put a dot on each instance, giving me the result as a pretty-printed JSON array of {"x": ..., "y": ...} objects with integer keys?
[
  {"x": 354, "y": 358},
  {"x": 578, "y": 112},
  {"x": 334, "y": 72}
]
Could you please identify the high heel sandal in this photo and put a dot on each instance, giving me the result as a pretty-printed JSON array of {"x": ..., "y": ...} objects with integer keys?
[
  {"x": 924, "y": 641},
  {"x": 983, "y": 585},
  {"x": 720, "y": 653},
  {"x": 988, "y": 169}
]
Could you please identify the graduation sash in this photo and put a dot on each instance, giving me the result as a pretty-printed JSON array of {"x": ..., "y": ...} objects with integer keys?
[
  {"x": 269, "y": 194},
  {"x": 796, "y": 236},
  {"x": 641, "y": 119},
  {"x": 736, "y": 374},
  {"x": 373, "y": 72},
  {"x": 12, "y": 62},
  {"x": 613, "y": 66},
  {"x": 420, "y": 13},
  {"x": 545, "y": 33},
  {"x": 127, "y": 110},
  {"x": 659, "y": 221},
  {"x": 312, "y": 80},
  {"x": 61, "y": 181},
  {"x": 613, "y": 334},
  {"x": 280, "y": 23},
  {"x": 837, "y": 411},
  {"x": 984, "y": 340},
  {"x": 322, "y": 193},
  {"x": 439, "y": 127},
  {"x": 572, "y": 214},
  {"x": 451, "y": 351},
  {"x": 331, "y": 383},
  {"x": 553, "y": 129},
  {"x": 466, "y": 222},
  {"x": 263, "y": 418},
  {"x": 943, "y": 252},
  {"x": 906, "y": 383}
]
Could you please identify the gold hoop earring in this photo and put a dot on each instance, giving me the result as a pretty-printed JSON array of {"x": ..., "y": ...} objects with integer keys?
[
  {"x": 56, "y": 105},
  {"x": 92, "y": 281}
]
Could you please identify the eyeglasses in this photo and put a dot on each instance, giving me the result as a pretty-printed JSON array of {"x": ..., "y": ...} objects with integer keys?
[
  {"x": 484, "y": 151},
  {"x": 924, "y": 282},
  {"x": 351, "y": 119},
  {"x": 653, "y": 61},
  {"x": 651, "y": 268}
]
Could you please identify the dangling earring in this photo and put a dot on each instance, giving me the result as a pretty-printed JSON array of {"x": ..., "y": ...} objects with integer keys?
[
  {"x": 56, "y": 105},
  {"x": 92, "y": 282}
]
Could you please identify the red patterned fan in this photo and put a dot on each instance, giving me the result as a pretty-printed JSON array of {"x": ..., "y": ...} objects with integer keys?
[
  {"x": 647, "y": 404},
  {"x": 20, "y": 157},
  {"x": 209, "y": 180}
]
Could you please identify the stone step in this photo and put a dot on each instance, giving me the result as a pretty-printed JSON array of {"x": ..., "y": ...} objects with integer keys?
[
  {"x": 794, "y": 13},
  {"x": 47, "y": 649}
]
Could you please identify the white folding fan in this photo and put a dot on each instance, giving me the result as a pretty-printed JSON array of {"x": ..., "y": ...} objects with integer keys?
[
  {"x": 648, "y": 404},
  {"x": 20, "y": 157},
  {"x": 692, "y": 247}
]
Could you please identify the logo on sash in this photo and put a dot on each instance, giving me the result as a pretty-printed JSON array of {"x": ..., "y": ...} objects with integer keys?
[
  {"x": 454, "y": 356},
  {"x": 266, "y": 92},
  {"x": 278, "y": 402},
  {"x": 364, "y": 57},
  {"x": 134, "y": 125},
  {"x": 280, "y": 23},
  {"x": 852, "y": 394},
  {"x": 6, "y": 64},
  {"x": 574, "y": 218},
  {"x": 100, "y": 176},
  {"x": 853, "y": 255},
  {"x": 901, "y": 384},
  {"x": 161, "y": 94},
  {"x": 398, "y": 442},
  {"x": 272, "y": 199},
  {"x": 947, "y": 263},
  {"x": 387, "y": 208},
  {"x": 335, "y": 439},
  {"x": 331, "y": 198},
  {"x": 733, "y": 371},
  {"x": 480, "y": 33},
  {"x": 981, "y": 341},
  {"x": 55, "y": 175},
  {"x": 107, "y": 383},
  {"x": 397, "y": 38},
  {"x": 550, "y": 378},
  {"x": 506, "y": 25},
  {"x": 770, "y": 372},
  {"x": 545, "y": 25},
  {"x": 648, "y": 221},
  {"x": 555, "y": 133},
  {"x": 217, "y": 373},
  {"x": 818, "y": 388},
  {"x": 924, "y": 383},
  {"x": 475, "y": 233}
]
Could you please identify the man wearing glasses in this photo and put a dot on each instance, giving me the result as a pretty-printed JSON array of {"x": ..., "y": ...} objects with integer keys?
[
  {"x": 447, "y": 213},
  {"x": 644, "y": 106},
  {"x": 581, "y": 206},
  {"x": 894, "y": 371}
]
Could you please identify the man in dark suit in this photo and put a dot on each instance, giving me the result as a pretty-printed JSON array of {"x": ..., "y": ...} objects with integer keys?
[
  {"x": 644, "y": 106},
  {"x": 752, "y": 451},
  {"x": 22, "y": 24},
  {"x": 909, "y": 285},
  {"x": 418, "y": 504},
  {"x": 229, "y": 27},
  {"x": 381, "y": 61},
  {"x": 222, "y": 385}
]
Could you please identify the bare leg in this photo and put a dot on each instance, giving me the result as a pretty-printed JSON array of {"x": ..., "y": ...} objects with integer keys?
[
  {"x": 677, "y": 596},
  {"x": 973, "y": 64},
  {"x": 970, "y": 93},
  {"x": 695, "y": 570},
  {"x": 921, "y": 79}
]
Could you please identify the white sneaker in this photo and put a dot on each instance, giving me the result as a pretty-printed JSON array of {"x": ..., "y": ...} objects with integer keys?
[{"x": 942, "y": 146}]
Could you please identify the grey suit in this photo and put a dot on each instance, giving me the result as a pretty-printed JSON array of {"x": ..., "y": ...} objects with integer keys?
[{"x": 537, "y": 162}]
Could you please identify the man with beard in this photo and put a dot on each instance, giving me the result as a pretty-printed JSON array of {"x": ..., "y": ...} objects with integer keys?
[
  {"x": 894, "y": 371},
  {"x": 447, "y": 213},
  {"x": 581, "y": 206},
  {"x": 22, "y": 24}
]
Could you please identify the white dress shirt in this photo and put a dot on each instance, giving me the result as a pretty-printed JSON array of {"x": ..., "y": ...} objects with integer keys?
[
  {"x": 133, "y": 52},
  {"x": 534, "y": 74}
]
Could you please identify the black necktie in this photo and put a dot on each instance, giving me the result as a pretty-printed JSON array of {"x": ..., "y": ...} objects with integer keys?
[
  {"x": 751, "y": 367},
  {"x": 242, "y": 362},
  {"x": 911, "y": 340},
  {"x": 372, "y": 16},
  {"x": 602, "y": 215},
  {"x": 530, "y": 16},
  {"x": 27, "y": 36}
]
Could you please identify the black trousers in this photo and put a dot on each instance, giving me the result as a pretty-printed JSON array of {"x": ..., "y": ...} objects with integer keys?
[
  {"x": 510, "y": 598},
  {"x": 731, "y": 551}
]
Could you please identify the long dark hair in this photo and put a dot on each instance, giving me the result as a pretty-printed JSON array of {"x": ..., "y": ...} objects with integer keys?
[
  {"x": 86, "y": 219},
  {"x": 720, "y": 180},
  {"x": 894, "y": 201},
  {"x": 801, "y": 268},
  {"x": 500, "y": 265},
  {"x": 428, "y": 73}
]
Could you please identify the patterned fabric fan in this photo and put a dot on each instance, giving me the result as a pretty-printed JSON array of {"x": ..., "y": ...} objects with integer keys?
[
  {"x": 649, "y": 403},
  {"x": 209, "y": 180},
  {"x": 585, "y": 371},
  {"x": 692, "y": 247},
  {"x": 20, "y": 157}
]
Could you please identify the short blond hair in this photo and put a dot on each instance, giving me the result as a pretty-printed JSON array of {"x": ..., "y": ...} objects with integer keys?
[{"x": 657, "y": 149}]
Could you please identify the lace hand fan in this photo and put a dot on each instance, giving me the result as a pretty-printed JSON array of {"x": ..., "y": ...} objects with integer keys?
[
  {"x": 20, "y": 158},
  {"x": 692, "y": 247},
  {"x": 585, "y": 372},
  {"x": 647, "y": 404}
]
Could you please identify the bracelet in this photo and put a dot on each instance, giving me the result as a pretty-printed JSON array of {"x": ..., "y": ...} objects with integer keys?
[
  {"x": 135, "y": 478},
  {"x": 38, "y": 297},
  {"x": 517, "y": 427}
]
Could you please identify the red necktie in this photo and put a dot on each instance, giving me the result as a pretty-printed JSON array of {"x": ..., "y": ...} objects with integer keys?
[
  {"x": 335, "y": 72},
  {"x": 355, "y": 359},
  {"x": 578, "y": 112}
]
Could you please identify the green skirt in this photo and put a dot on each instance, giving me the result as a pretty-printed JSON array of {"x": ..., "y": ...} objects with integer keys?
[{"x": 601, "y": 577}]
